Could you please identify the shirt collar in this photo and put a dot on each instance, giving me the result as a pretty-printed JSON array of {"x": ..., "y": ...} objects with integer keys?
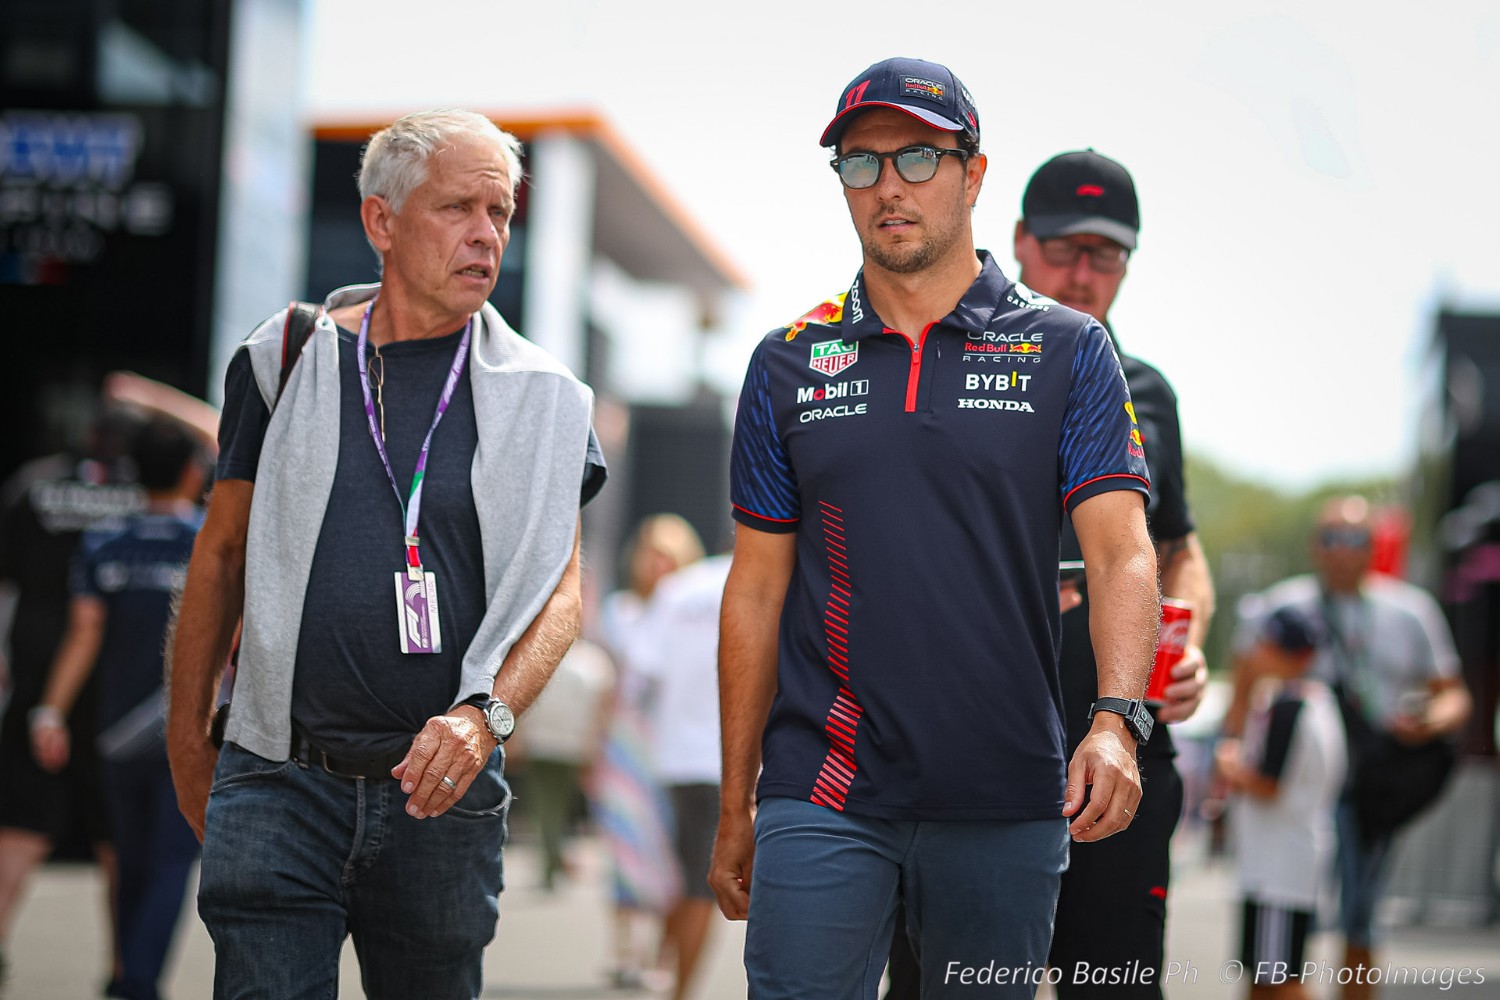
[{"x": 972, "y": 314}]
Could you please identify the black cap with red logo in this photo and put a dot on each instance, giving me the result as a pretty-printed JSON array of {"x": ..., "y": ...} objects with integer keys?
[
  {"x": 927, "y": 91},
  {"x": 1082, "y": 192}
]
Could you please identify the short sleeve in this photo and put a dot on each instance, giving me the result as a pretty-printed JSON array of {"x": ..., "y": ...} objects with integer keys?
[
  {"x": 1279, "y": 731},
  {"x": 1168, "y": 515},
  {"x": 242, "y": 424},
  {"x": 762, "y": 485},
  {"x": 83, "y": 569},
  {"x": 1444, "y": 661},
  {"x": 594, "y": 470},
  {"x": 1100, "y": 449}
]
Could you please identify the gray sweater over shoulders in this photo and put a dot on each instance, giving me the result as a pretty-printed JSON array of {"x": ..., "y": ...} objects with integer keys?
[{"x": 533, "y": 417}]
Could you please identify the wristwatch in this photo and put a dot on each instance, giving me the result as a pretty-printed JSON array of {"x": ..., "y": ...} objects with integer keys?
[
  {"x": 499, "y": 719},
  {"x": 1137, "y": 716}
]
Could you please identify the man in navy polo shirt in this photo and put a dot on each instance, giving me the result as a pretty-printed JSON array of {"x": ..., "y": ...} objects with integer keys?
[{"x": 904, "y": 456}]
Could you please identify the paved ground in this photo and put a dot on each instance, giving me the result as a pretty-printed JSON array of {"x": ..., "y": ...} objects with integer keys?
[{"x": 554, "y": 946}]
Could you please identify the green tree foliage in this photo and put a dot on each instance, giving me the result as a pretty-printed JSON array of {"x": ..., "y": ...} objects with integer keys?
[{"x": 1254, "y": 535}]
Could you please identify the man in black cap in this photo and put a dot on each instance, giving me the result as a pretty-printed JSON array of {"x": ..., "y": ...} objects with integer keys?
[
  {"x": 904, "y": 455},
  {"x": 1079, "y": 225}
]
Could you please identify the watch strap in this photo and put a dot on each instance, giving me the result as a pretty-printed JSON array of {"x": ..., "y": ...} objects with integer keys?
[
  {"x": 1137, "y": 717},
  {"x": 479, "y": 701}
]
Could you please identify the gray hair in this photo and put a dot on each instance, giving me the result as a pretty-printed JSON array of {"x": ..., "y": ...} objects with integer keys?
[{"x": 394, "y": 161}]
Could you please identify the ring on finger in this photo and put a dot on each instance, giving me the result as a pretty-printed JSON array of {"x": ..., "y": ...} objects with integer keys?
[{"x": 452, "y": 785}]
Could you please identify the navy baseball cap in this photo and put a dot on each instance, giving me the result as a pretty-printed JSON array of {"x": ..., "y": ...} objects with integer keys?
[
  {"x": 1292, "y": 630},
  {"x": 1082, "y": 192},
  {"x": 927, "y": 91}
]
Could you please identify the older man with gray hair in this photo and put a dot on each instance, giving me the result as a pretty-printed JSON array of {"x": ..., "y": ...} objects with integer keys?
[{"x": 398, "y": 529}]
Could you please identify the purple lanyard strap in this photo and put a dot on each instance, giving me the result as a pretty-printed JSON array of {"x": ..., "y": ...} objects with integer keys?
[{"x": 411, "y": 507}]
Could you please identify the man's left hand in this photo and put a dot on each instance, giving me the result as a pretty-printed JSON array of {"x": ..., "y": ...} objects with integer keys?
[
  {"x": 1189, "y": 683},
  {"x": 455, "y": 747},
  {"x": 1105, "y": 763}
]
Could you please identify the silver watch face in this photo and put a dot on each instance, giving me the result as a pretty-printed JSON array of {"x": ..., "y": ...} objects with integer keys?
[{"x": 500, "y": 720}]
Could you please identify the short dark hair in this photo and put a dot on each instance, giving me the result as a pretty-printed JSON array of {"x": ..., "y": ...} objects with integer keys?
[{"x": 163, "y": 449}]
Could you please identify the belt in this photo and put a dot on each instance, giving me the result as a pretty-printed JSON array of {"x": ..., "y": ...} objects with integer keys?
[{"x": 344, "y": 766}]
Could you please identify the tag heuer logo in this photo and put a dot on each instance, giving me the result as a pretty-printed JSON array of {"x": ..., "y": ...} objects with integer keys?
[{"x": 832, "y": 357}]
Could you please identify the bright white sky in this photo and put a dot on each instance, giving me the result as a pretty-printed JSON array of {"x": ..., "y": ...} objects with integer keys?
[{"x": 1316, "y": 179}]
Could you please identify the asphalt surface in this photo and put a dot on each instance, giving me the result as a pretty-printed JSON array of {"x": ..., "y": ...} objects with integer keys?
[{"x": 555, "y": 946}]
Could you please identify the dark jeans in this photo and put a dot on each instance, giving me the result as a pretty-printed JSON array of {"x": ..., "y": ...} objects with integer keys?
[
  {"x": 295, "y": 858},
  {"x": 1111, "y": 908},
  {"x": 156, "y": 849},
  {"x": 823, "y": 893}
]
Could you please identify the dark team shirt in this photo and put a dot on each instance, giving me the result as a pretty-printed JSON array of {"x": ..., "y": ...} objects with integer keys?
[
  {"x": 926, "y": 482},
  {"x": 134, "y": 572},
  {"x": 1167, "y": 518},
  {"x": 353, "y": 689},
  {"x": 48, "y": 505}
]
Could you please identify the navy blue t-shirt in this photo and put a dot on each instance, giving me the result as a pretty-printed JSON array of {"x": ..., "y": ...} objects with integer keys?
[
  {"x": 353, "y": 689},
  {"x": 134, "y": 572},
  {"x": 927, "y": 482}
]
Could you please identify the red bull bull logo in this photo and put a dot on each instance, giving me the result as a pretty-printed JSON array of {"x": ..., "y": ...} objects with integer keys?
[
  {"x": 824, "y": 314},
  {"x": 1027, "y": 348},
  {"x": 1137, "y": 447}
]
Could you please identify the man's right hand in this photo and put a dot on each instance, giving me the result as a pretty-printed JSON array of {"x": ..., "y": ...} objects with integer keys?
[
  {"x": 734, "y": 857},
  {"x": 193, "y": 760}
]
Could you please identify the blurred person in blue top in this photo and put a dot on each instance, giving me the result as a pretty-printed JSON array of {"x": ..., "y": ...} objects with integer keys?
[
  {"x": 46, "y": 508},
  {"x": 123, "y": 587}
]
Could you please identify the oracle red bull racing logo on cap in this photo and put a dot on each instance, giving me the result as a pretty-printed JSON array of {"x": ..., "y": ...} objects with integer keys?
[
  {"x": 824, "y": 314},
  {"x": 832, "y": 357},
  {"x": 915, "y": 85}
]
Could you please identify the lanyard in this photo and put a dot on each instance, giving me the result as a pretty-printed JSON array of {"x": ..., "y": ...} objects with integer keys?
[{"x": 411, "y": 507}]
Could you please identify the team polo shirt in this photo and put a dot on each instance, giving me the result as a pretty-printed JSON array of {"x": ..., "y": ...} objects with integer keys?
[{"x": 926, "y": 481}]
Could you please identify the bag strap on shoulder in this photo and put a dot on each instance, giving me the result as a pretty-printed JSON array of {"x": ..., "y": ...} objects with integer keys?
[{"x": 301, "y": 318}]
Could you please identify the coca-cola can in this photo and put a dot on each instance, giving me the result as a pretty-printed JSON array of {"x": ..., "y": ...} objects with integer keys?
[{"x": 1171, "y": 643}]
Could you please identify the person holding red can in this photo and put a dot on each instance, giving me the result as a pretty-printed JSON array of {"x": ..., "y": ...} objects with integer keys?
[{"x": 1079, "y": 226}]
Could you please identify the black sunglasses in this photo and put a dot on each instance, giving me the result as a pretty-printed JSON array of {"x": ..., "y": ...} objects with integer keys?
[
  {"x": 1348, "y": 538},
  {"x": 915, "y": 164}
]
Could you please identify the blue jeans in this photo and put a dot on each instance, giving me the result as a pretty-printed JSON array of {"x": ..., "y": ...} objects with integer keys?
[
  {"x": 156, "y": 849},
  {"x": 979, "y": 897},
  {"x": 295, "y": 859},
  {"x": 1363, "y": 870}
]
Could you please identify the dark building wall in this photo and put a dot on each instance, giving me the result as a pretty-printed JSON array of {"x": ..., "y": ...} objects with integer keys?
[
  {"x": 111, "y": 125},
  {"x": 1461, "y": 480},
  {"x": 679, "y": 463}
]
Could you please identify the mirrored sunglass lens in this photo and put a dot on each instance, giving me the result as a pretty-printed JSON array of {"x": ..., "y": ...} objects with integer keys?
[
  {"x": 917, "y": 165},
  {"x": 859, "y": 170}
]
